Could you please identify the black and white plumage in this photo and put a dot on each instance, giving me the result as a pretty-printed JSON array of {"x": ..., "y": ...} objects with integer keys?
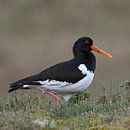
[{"x": 66, "y": 78}]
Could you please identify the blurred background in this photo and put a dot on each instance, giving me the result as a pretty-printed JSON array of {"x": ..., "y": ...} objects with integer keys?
[{"x": 35, "y": 34}]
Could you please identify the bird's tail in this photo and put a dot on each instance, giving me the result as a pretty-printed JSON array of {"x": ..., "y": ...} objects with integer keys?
[
  {"x": 14, "y": 87},
  {"x": 25, "y": 83}
]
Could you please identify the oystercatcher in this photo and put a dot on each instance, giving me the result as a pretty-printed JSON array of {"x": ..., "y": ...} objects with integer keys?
[{"x": 66, "y": 78}]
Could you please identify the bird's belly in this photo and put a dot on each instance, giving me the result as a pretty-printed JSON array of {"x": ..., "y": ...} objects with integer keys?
[{"x": 65, "y": 87}]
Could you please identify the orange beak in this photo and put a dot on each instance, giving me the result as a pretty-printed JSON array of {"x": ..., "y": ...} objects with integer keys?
[{"x": 94, "y": 48}]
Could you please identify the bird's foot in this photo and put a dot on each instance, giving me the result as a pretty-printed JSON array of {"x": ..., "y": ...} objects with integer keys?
[{"x": 57, "y": 98}]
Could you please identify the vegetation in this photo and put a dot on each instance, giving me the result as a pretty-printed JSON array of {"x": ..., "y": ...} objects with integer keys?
[{"x": 29, "y": 111}]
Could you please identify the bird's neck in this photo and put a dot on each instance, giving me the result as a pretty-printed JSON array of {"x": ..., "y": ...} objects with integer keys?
[
  {"x": 87, "y": 58},
  {"x": 79, "y": 55},
  {"x": 83, "y": 55}
]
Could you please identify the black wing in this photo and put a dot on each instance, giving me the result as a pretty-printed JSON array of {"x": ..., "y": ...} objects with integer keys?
[{"x": 66, "y": 71}]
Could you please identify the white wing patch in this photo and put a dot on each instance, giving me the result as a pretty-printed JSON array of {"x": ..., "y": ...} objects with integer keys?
[
  {"x": 53, "y": 83},
  {"x": 25, "y": 86}
]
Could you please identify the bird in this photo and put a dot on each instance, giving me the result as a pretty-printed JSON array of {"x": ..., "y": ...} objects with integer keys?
[{"x": 65, "y": 79}]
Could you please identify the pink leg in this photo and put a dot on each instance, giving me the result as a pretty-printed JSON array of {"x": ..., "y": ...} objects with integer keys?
[{"x": 57, "y": 98}]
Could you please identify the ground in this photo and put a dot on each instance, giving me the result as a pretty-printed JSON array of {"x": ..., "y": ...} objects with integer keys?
[{"x": 30, "y": 111}]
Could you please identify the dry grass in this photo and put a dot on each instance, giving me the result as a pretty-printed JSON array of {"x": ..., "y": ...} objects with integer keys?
[{"x": 31, "y": 111}]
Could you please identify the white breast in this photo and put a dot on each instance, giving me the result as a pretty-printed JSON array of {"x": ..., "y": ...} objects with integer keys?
[{"x": 83, "y": 69}]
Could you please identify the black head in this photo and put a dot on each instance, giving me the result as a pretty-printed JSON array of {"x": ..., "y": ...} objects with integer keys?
[{"x": 83, "y": 45}]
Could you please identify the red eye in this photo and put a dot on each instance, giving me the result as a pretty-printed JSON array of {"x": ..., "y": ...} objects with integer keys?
[{"x": 87, "y": 42}]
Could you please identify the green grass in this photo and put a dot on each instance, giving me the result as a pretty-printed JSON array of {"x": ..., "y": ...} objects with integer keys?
[{"x": 29, "y": 111}]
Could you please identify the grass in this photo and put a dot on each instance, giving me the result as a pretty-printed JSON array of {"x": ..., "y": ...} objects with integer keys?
[{"x": 29, "y": 111}]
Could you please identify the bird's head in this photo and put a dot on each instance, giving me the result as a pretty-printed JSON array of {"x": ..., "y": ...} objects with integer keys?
[{"x": 85, "y": 45}]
